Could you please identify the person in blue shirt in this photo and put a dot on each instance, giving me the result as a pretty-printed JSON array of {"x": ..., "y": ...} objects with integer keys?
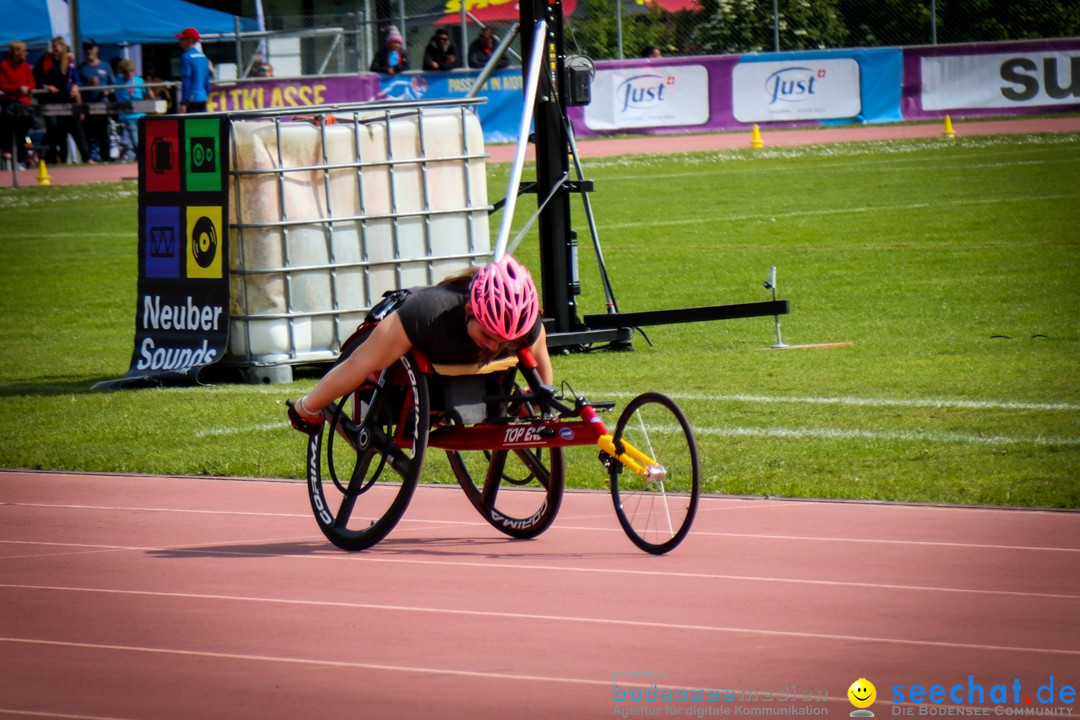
[
  {"x": 194, "y": 73},
  {"x": 131, "y": 92},
  {"x": 91, "y": 73}
]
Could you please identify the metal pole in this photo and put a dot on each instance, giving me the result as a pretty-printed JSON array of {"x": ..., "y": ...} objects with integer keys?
[
  {"x": 239, "y": 47},
  {"x": 618, "y": 26},
  {"x": 776, "y": 26},
  {"x": 933, "y": 22},
  {"x": 534, "y": 68},
  {"x": 463, "y": 49}
]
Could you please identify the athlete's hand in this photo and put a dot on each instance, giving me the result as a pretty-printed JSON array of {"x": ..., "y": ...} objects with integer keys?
[{"x": 302, "y": 421}]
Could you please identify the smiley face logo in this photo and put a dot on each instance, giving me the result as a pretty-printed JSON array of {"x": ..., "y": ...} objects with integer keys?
[{"x": 862, "y": 693}]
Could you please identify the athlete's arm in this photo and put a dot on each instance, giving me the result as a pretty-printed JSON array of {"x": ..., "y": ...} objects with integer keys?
[
  {"x": 539, "y": 351},
  {"x": 387, "y": 343}
]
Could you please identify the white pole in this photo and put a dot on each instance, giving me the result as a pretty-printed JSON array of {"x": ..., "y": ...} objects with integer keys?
[{"x": 536, "y": 66}]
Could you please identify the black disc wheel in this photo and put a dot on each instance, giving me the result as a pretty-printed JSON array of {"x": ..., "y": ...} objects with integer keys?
[
  {"x": 517, "y": 491},
  {"x": 363, "y": 467},
  {"x": 656, "y": 509}
]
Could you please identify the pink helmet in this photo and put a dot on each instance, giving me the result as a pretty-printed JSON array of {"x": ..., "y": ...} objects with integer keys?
[{"x": 503, "y": 299}]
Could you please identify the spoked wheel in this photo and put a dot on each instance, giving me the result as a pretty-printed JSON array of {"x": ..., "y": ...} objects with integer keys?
[
  {"x": 656, "y": 512},
  {"x": 364, "y": 465},
  {"x": 527, "y": 503}
]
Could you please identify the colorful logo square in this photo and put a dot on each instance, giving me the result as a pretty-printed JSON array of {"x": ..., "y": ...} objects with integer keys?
[
  {"x": 203, "y": 166},
  {"x": 163, "y": 242},
  {"x": 206, "y": 242},
  {"x": 161, "y": 155}
]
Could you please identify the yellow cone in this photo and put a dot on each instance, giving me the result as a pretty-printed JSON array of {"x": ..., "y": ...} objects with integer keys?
[
  {"x": 43, "y": 174},
  {"x": 948, "y": 132},
  {"x": 755, "y": 139}
]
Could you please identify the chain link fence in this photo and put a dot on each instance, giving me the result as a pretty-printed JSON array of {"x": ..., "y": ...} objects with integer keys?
[{"x": 344, "y": 42}]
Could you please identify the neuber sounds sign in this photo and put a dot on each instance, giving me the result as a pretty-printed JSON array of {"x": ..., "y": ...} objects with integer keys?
[
  {"x": 182, "y": 314},
  {"x": 797, "y": 90}
]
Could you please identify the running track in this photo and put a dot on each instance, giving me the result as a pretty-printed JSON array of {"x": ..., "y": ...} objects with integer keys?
[{"x": 147, "y": 597}]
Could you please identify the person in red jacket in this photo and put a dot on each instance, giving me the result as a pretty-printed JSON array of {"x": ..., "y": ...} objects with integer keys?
[{"x": 16, "y": 82}]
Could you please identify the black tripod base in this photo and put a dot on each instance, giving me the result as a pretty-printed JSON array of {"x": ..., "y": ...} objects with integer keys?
[{"x": 619, "y": 338}]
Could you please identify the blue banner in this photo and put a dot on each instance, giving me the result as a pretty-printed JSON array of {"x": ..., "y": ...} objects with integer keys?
[{"x": 499, "y": 116}]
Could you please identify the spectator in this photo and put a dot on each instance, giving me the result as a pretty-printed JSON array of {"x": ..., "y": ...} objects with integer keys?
[
  {"x": 151, "y": 77},
  {"x": 129, "y": 119},
  {"x": 263, "y": 70},
  {"x": 91, "y": 73},
  {"x": 391, "y": 59},
  {"x": 481, "y": 48},
  {"x": 55, "y": 73},
  {"x": 194, "y": 73},
  {"x": 651, "y": 52},
  {"x": 16, "y": 82},
  {"x": 441, "y": 53}
]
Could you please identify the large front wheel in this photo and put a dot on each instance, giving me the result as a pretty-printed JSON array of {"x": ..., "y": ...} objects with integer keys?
[
  {"x": 657, "y": 509},
  {"x": 364, "y": 465}
]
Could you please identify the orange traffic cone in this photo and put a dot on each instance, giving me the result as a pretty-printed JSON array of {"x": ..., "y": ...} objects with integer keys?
[{"x": 755, "y": 139}]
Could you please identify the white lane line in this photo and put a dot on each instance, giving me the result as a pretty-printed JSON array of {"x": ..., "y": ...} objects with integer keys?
[
  {"x": 223, "y": 550},
  {"x": 536, "y": 617},
  {"x": 559, "y": 526},
  {"x": 5, "y": 712}
]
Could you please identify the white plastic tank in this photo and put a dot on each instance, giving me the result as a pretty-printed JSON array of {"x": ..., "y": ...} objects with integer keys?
[{"x": 387, "y": 202}]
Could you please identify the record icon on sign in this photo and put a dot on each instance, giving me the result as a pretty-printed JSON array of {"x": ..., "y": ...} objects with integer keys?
[{"x": 204, "y": 242}]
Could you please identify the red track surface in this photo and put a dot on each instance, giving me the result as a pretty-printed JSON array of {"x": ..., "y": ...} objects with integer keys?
[{"x": 197, "y": 598}]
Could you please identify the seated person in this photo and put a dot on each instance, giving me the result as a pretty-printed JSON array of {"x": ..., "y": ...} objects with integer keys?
[
  {"x": 441, "y": 53},
  {"x": 481, "y": 48}
]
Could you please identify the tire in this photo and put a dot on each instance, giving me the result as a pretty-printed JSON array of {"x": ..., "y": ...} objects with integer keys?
[
  {"x": 656, "y": 513},
  {"x": 361, "y": 474},
  {"x": 535, "y": 492}
]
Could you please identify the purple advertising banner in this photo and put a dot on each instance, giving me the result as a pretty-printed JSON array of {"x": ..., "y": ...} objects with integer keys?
[
  {"x": 991, "y": 79},
  {"x": 292, "y": 92},
  {"x": 731, "y": 92}
]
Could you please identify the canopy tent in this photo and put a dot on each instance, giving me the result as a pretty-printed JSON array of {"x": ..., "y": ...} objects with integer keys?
[
  {"x": 507, "y": 10},
  {"x": 111, "y": 22}
]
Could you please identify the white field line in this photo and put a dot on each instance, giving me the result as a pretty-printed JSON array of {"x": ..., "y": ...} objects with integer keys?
[
  {"x": 783, "y": 433},
  {"x": 945, "y": 403},
  {"x": 883, "y": 435},
  {"x": 285, "y": 392},
  {"x": 730, "y": 168},
  {"x": 937, "y": 205},
  {"x": 800, "y": 433}
]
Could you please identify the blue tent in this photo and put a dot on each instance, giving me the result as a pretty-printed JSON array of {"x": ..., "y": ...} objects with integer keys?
[{"x": 112, "y": 22}]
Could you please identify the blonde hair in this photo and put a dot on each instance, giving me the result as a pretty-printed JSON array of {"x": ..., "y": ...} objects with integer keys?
[
  {"x": 15, "y": 46},
  {"x": 126, "y": 65}
]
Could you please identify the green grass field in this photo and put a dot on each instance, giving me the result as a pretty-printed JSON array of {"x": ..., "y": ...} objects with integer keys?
[{"x": 953, "y": 268}]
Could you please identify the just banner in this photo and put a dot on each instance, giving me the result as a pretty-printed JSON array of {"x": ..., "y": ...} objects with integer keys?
[{"x": 182, "y": 307}]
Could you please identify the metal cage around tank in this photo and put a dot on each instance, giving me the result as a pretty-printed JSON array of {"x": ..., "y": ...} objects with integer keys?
[{"x": 331, "y": 206}]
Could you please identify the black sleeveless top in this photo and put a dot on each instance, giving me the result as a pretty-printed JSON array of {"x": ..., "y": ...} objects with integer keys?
[{"x": 435, "y": 322}]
